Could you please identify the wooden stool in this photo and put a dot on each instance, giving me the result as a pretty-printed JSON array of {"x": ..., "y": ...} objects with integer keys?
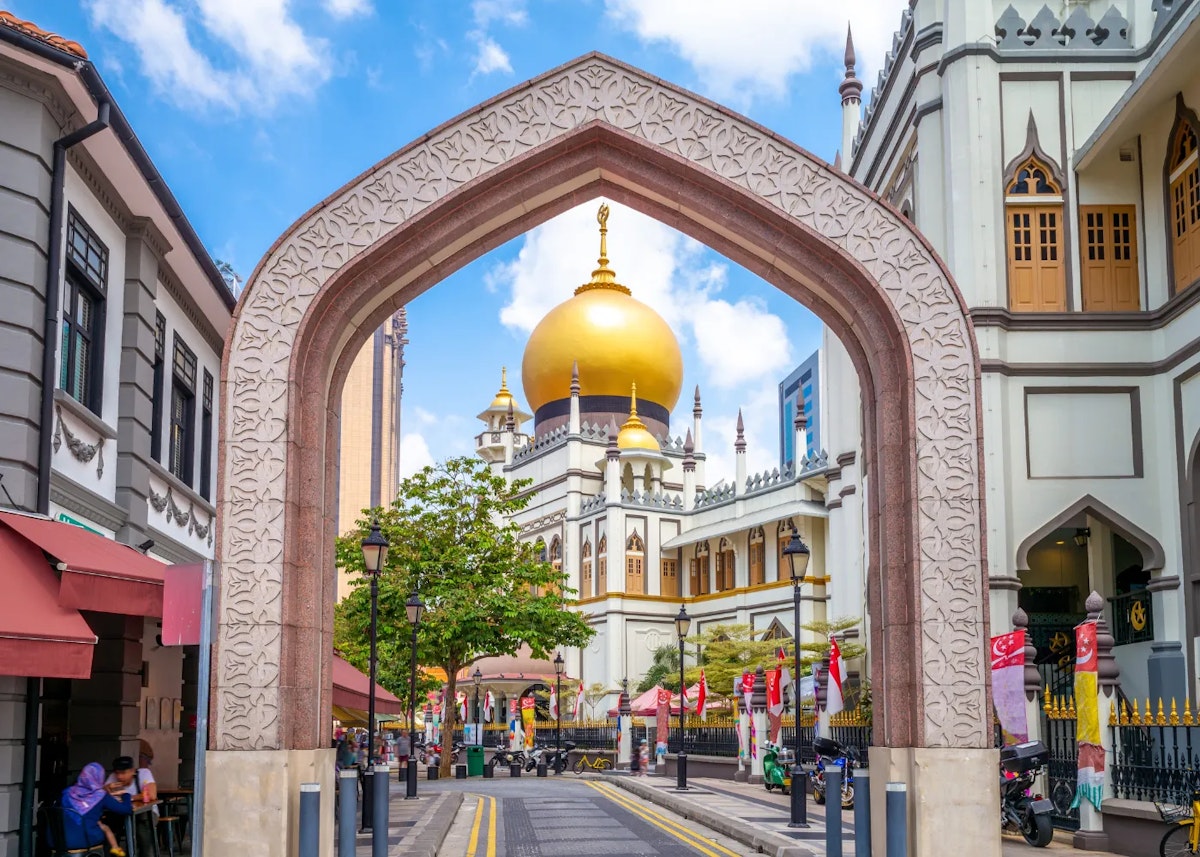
[{"x": 169, "y": 822}]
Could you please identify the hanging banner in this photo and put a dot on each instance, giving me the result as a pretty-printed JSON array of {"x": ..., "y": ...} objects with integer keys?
[
  {"x": 662, "y": 723},
  {"x": 514, "y": 724},
  {"x": 528, "y": 710},
  {"x": 1090, "y": 778},
  {"x": 1008, "y": 686}
]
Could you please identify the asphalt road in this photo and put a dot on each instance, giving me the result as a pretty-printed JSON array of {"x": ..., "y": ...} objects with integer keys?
[{"x": 530, "y": 817}]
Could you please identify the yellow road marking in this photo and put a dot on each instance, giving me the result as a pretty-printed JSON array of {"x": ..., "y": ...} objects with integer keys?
[
  {"x": 689, "y": 837},
  {"x": 491, "y": 848},
  {"x": 473, "y": 842}
]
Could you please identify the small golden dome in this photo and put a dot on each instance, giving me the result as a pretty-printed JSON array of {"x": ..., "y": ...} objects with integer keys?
[
  {"x": 614, "y": 338},
  {"x": 503, "y": 397},
  {"x": 634, "y": 434}
]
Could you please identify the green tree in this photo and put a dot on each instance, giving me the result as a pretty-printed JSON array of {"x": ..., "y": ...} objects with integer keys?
[
  {"x": 486, "y": 593},
  {"x": 664, "y": 666},
  {"x": 595, "y": 692}
]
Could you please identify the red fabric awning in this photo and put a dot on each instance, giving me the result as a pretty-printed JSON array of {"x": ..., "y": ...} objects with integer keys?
[
  {"x": 100, "y": 574},
  {"x": 38, "y": 636},
  {"x": 352, "y": 689}
]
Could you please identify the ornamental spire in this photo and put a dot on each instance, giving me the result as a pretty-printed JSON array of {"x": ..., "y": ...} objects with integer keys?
[
  {"x": 603, "y": 277},
  {"x": 851, "y": 88}
]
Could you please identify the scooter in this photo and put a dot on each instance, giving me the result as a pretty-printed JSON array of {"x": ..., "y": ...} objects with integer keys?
[
  {"x": 777, "y": 767},
  {"x": 831, "y": 754},
  {"x": 1020, "y": 765},
  {"x": 556, "y": 762}
]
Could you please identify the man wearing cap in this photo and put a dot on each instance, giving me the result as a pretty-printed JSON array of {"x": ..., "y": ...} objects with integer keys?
[{"x": 138, "y": 783}]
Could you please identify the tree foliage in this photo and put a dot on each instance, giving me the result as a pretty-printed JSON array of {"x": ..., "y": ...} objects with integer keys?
[
  {"x": 486, "y": 593},
  {"x": 663, "y": 669}
]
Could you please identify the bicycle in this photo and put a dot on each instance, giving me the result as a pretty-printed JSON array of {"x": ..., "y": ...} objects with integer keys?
[
  {"x": 602, "y": 763},
  {"x": 1184, "y": 835}
]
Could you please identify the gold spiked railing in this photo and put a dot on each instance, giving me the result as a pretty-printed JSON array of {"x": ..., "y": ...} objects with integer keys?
[{"x": 1155, "y": 749}]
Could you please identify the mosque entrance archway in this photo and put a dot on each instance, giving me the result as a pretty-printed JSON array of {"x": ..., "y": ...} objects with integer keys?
[{"x": 596, "y": 127}]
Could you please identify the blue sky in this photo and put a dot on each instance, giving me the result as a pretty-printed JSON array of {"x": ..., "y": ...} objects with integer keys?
[{"x": 255, "y": 110}]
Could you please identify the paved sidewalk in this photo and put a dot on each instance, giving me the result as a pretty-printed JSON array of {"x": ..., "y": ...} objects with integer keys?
[
  {"x": 416, "y": 828},
  {"x": 756, "y": 817}
]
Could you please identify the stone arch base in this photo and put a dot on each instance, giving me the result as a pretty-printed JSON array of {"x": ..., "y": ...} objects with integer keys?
[{"x": 589, "y": 128}]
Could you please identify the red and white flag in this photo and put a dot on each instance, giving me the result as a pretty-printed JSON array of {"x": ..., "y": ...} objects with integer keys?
[
  {"x": 834, "y": 702},
  {"x": 553, "y": 705},
  {"x": 702, "y": 695},
  {"x": 774, "y": 693},
  {"x": 683, "y": 700},
  {"x": 578, "y": 702},
  {"x": 489, "y": 704},
  {"x": 461, "y": 696}
]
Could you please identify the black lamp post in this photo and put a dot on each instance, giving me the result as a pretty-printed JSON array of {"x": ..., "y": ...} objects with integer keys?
[
  {"x": 478, "y": 677},
  {"x": 415, "y": 609},
  {"x": 682, "y": 623},
  {"x": 558, "y": 674},
  {"x": 374, "y": 550},
  {"x": 797, "y": 554}
]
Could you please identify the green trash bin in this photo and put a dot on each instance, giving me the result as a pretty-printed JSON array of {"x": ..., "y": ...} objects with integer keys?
[{"x": 475, "y": 761}]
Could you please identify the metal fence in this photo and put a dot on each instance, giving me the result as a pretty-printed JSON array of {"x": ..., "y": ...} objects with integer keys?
[
  {"x": 720, "y": 737},
  {"x": 1058, "y": 733},
  {"x": 1156, "y": 754}
]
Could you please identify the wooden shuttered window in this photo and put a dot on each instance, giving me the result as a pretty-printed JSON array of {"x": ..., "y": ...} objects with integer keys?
[
  {"x": 758, "y": 556},
  {"x": 635, "y": 577},
  {"x": 1184, "y": 191},
  {"x": 585, "y": 583},
  {"x": 602, "y": 566},
  {"x": 1037, "y": 276},
  {"x": 693, "y": 576},
  {"x": 669, "y": 584},
  {"x": 1108, "y": 263}
]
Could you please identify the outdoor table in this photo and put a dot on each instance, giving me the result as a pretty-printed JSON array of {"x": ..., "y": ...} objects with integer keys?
[
  {"x": 169, "y": 797},
  {"x": 139, "y": 808}
]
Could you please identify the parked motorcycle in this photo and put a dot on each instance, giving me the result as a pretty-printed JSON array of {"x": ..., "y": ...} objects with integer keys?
[
  {"x": 534, "y": 757},
  {"x": 830, "y": 753},
  {"x": 557, "y": 762},
  {"x": 504, "y": 757},
  {"x": 1020, "y": 809},
  {"x": 777, "y": 767}
]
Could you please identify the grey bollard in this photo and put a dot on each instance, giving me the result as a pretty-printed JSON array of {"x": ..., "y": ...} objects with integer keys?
[
  {"x": 833, "y": 811},
  {"x": 310, "y": 819},
  {"x": 379, "y": 833},
  {"x": 897, "y": 820},
  {"x": 862, "y": 813},
  {"x": 347, "y": 810}
]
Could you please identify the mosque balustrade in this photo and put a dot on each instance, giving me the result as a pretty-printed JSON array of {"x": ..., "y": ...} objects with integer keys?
[
  {"x": 652, "y": 499},
  {"x": 899, "y": 39},
  {"x": 542, "y": 443},
  {"x": 716, "y": 496},
  {"x": 592, "y": 504},
  {"x": 813, "y": 463},
  {"x": 768, "y": 480}
]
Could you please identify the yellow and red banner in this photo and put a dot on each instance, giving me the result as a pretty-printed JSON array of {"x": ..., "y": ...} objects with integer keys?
[
  {"x": 1090, "y": 777},
  {"x": 528, "y": 710}
]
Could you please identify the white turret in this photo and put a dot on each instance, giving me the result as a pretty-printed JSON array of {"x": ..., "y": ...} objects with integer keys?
[{"x": 739, "y": 456}]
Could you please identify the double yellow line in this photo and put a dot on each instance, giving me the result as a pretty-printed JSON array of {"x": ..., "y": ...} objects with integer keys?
[
  {"x": 473, "y": 842},
  {"x": 674, "y": 828}
]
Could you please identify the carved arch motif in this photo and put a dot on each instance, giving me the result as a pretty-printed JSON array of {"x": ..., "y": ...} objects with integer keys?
[{"x": 1153, "y": 555}]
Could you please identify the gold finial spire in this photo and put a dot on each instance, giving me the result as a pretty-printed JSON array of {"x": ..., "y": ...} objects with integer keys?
[
  {"x": 603, "y": 277},
  {"x": 634, "y": 434},
  {"x": 633, "y": 401},
  {"x": 504, "y": 378}
]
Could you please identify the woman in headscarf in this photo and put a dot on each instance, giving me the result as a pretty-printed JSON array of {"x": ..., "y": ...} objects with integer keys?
[{"x": 82, "y": 806}]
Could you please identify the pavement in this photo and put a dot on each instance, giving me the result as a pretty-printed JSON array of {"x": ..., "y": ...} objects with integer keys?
[{"x": 745, "y": 817}]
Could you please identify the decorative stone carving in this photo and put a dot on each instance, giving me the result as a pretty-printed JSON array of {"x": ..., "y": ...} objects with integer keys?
[
  {"x": 175, "y": 514},
  {"x": 652, "y": 114},
  {"x": 80, "y": 451},
  {"x": 1077, "y": 32}
]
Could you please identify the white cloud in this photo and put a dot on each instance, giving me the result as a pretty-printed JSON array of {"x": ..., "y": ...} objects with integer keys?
[
  {"x": 489, "y": 56},
  {"x": 414, "y": 453},
  {"x": 740, "y": 342},
  {"x": 741, "y": 50},
  {"x": 347, "y": 8},
  {"x": 505, "y": 11},
  {"x": 267, "y": 55}
]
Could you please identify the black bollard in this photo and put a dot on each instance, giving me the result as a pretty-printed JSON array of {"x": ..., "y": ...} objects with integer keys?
[
  {"x": 368, "y": 798},
  {"x": 799, "y": 805},
  {"x": 347, "y": 811},
  {"x": 541, "y": 769},
  {"x": 460, "y": 772},
  {"x": 833, "y": 811},
  {"x": 862, "y": 813},
  {"x": 514, "y": 770},
  {"x": 488, "y": 772},
  {"x": 433, "y": 772}
]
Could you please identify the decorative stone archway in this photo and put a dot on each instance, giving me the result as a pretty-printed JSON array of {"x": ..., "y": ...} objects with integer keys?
[{"x": 592, "y": 127}]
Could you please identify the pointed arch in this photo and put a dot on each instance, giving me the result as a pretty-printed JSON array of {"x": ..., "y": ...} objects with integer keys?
[
  {"x": 1153, "y": 556},
  {"x": 1181, "y": 170},
  {"x": 726, "y": 565},
  {"x": 1035, "y": 229},
  {"x": 776, "y": 631},
  {"x": 635, "y": 565}
]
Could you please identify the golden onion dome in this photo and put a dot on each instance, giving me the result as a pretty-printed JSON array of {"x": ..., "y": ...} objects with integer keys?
[
  {"x": 634, "y": 434},
  {"x": 614, "y": 338}
]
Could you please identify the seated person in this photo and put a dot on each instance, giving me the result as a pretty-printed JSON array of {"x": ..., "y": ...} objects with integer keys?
[
  {"x": 138, "y": 783},
  {"x": 82, "y": 805}
]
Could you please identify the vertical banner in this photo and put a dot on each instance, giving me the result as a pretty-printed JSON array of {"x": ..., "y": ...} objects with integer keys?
[
  {"x": 1008, "y": 686},
  {"x": 514, "y": 724},
  {"x": 662, "y": 723},
  {"x": 1087, "y": 725},
  {"x": 774, "y": 705},
  {"x": 528, "y": 711}
]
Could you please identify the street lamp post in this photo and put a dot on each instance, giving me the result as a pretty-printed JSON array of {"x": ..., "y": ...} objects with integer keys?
[
  {"x": 374, "y": 550},
  {"x": 415, "y": 609},
  {"x": 797, "y": 554},
  {"x": 478, "y": 677},
  {"x": 558, "y": 674},
  {"x": 682, "y": 623}
]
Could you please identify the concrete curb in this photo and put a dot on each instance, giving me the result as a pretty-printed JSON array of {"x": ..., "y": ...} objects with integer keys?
[
  {"x": 761, "y": 840},
  {"x": 431, "y": 829}
]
